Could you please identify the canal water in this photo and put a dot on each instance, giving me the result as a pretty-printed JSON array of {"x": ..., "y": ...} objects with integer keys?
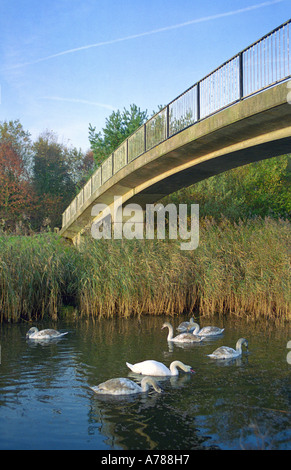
[{"x": 46, "y": 401}]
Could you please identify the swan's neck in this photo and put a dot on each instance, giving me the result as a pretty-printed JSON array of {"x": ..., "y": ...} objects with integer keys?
[
  {"x": 197, "y": 327},
  {"x": 171, "y": 332},
  {"x": 146, "y": 382},
  {"x": 239, "y": 346},
  {"x": 174, "y": 367}
]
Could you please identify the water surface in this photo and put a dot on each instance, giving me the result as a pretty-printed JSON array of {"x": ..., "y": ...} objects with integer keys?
[{"x": 46, "y": 401}]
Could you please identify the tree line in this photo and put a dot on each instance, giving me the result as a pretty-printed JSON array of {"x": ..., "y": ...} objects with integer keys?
[{"x": 39, "y": 179}]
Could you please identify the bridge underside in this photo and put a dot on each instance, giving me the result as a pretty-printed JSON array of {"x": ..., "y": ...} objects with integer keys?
[
  {"x": 253, "y": 129},
  {"x": 204, "y": 170}
]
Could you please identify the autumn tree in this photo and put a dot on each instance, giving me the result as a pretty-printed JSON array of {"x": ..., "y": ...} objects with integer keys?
[
  {"x": 17, "y": 201},
  {"x": 12, "y": 133}
]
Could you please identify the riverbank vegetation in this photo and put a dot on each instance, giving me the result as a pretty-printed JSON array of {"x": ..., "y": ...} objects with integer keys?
[{"x": 240, "y": 269}]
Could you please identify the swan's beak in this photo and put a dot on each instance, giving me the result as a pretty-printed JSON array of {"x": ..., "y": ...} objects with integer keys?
[{"x": 192, "y": 371}]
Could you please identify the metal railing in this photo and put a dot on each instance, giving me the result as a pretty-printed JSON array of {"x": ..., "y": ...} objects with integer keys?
[{"x": 261, "y": 65}]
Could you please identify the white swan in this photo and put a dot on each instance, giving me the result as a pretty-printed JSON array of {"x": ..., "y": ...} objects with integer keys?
[
  {"x": 205, "y": 331},
  {"x": 182, "y": 337},
  {"x": 185, "y": 326},
  {"x": 224, "y": 352},
  {"x": 122, "y": 386},
  {"x": 151, "y": 367},
  {"x": 34, "y": 333}
]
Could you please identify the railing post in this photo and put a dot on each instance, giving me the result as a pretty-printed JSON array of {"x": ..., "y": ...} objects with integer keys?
[
  {"x": 145, "y": 137},
  {"x": 241, "y": 76},
  {"x": 168, "y": 122},
  {"x": 198, "y": 101}
]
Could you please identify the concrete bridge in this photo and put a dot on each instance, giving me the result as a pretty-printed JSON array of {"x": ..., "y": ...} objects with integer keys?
[{"x": 236, "y": 115}]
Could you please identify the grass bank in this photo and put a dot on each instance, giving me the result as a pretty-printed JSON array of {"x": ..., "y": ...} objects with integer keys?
[{"x": 239, "y": 269}]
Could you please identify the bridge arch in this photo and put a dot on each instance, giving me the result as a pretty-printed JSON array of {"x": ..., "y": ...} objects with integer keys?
[{"x": 175, "y": 149}]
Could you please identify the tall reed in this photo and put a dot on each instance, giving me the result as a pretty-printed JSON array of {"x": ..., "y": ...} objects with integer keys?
[
  {"x": 244, "y": 269},
  {"x": 240, "y": 269},
  {"x": 132, "y": 277}
]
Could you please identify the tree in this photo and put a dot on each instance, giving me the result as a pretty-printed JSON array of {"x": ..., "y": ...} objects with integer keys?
[
  {"x": 17, "y": 201},
  {"x": 51, "y": 178},
  {"x": 13, "y": 133},
  {"x": 81, "y": 166},
  {"x": 119, "y": 126}
]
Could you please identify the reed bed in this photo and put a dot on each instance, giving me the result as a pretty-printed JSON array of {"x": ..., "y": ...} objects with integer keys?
[
  {"x": 35, "y": 276},
  {"x": 133, "y": 277},
  {"x": 244, "y": 269},
  {"x": 238, "y": 269}
]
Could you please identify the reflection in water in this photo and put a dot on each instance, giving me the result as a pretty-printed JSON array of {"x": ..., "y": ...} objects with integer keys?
[
  {"x": 238, "y": 361},
  {"x": 174, "y": 380},
  {"x": 46, "y": 401},
  {"x": 143, "y": 423},
  {"x": 186, "y": 346},
  {"x": 43, "y": 342},
  {"x": 126, "y": 419}
]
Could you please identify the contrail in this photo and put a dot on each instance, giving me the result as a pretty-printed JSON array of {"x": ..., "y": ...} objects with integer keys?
[
  {"x": 77, "y": 100},
  {"x": 154, "y": 31}
]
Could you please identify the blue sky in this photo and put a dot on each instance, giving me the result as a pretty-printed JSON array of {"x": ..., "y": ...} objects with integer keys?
[{"x": 67, "y": 63}]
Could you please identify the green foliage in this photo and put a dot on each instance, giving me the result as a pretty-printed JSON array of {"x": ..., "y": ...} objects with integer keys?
[
  {"x": 119, "y": 126},
  {"x": 80, "y": 167},
  {"x": 50, "y": 169},
  {"x": 51, "y": 178},
  {"x": 258, "y": 189}
]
